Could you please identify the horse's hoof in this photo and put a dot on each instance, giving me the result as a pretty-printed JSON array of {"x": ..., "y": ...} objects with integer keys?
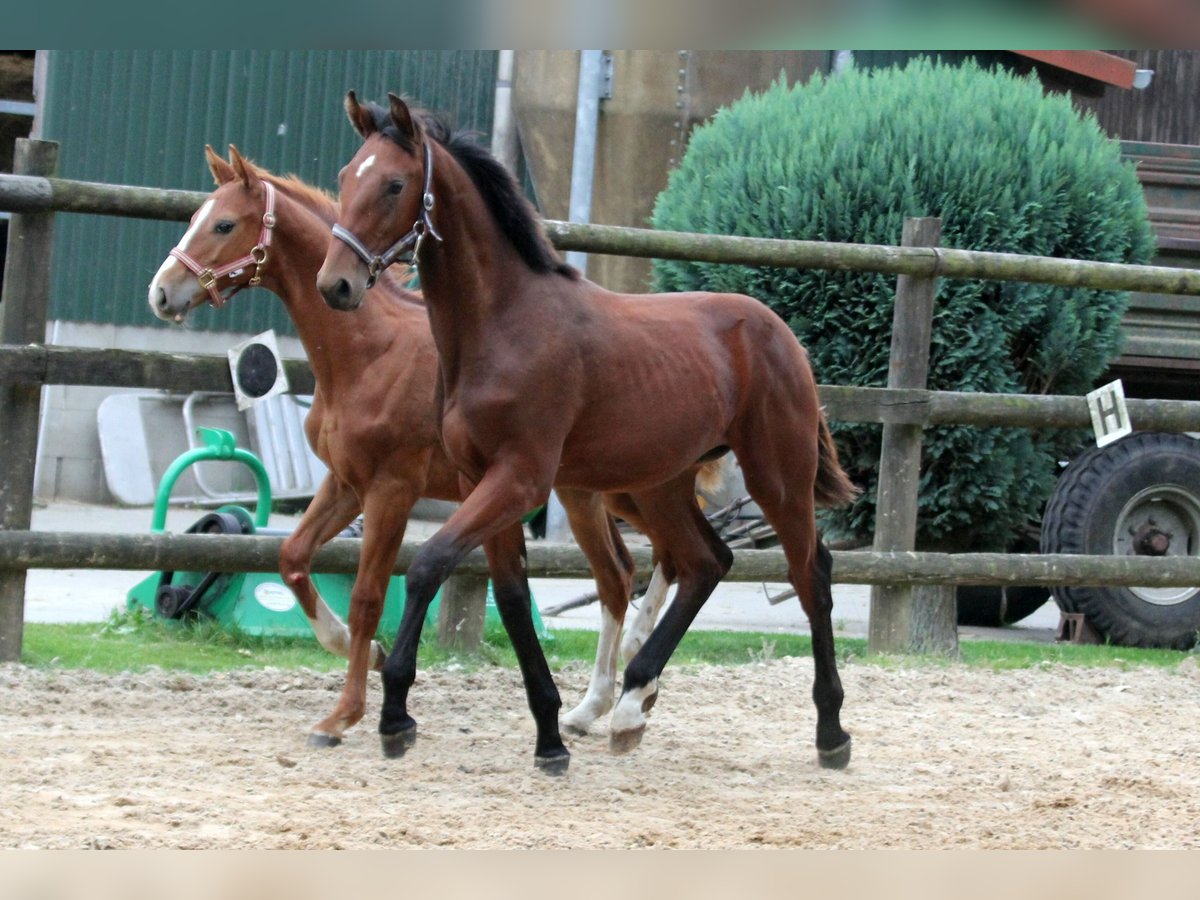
[
  {"x": 555, "y": 764},
  {"x": 837, "y": 758},
  {"x": 317, "y": 739},
  {"x": 396, "y": 745},
  {"x": 625, "y": 741}
]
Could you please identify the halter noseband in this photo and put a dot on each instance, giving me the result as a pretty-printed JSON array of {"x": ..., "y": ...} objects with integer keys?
[
  {"x": 257, "y": 257},
  {"x": 377, "y": 263}
]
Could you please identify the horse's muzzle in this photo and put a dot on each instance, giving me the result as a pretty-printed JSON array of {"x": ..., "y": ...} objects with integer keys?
[{"x": 339, "y": 293}]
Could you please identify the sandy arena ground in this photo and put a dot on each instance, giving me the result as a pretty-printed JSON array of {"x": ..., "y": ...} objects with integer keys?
[{"x": 943, "y": 758}]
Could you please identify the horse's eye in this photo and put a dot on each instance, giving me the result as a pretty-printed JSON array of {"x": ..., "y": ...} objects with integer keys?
[
  {"x": 396, "y": 186},
  {"x": 224, "y": 227}
]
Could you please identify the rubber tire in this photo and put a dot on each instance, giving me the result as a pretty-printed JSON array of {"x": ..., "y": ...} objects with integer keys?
[
  {"x": 990, "y": 606},
  {"x": 1082, "y": 517}
]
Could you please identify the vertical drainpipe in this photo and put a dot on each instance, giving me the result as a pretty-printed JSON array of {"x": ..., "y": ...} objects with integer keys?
[
  {"x": 583, "y": 162},
  {"x": 40, "y": 66},
  {"x": 579, "y": 207},
  {"x": 505, "y": 144}
]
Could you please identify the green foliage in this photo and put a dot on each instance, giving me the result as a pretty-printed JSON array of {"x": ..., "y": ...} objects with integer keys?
[{"x": 1007, "y": 169}]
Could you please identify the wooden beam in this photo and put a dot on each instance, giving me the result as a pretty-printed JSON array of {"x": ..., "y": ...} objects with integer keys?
[
  {"x": 24, "y": 303},
  {"x": 1094, "y": 64},
  {"x": 260, "y": 553}
]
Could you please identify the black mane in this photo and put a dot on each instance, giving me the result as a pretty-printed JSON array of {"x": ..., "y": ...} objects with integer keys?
[{"x": 513, "y": 213}]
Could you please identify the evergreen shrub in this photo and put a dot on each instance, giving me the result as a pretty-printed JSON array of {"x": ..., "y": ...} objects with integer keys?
[{"x": 1007, "y": 168}]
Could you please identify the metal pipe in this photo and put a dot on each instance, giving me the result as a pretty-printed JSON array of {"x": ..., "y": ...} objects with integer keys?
[
  {"x": 579, "y": 207},
  {"x": 505, "y": 141},
  {"x": 583, "y": 160}
]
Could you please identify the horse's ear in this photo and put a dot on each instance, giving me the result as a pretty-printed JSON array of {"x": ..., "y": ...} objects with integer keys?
[
  {"x": 222, "y": 172},
  {"x": 241, "y": 168},
  {"x": 403, "y": 118},
  {"x": 360, "y": 116}
]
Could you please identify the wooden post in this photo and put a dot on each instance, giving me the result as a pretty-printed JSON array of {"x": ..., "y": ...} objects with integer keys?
[
  {"x": 462, "y": 611},
  {"x": 908, "y": 618},
  {"x": 24, "y": 305}
]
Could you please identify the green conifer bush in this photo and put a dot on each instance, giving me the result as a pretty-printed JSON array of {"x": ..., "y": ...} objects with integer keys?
[{"x": 1007, "y": 168}]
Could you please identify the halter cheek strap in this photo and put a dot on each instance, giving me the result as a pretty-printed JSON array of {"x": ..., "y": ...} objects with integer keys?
[
  {"x": 257, "y": 257},
  {"x": 424, "y": 225}
]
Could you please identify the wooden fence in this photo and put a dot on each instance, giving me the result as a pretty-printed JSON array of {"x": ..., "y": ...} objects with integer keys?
[{"x": 903, "y": 616}]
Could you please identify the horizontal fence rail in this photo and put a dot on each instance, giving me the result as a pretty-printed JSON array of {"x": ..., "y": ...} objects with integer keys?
[
  {"x": 27, "y": 193},
  {"x": 35, "y": 364},
  {"x": 100, "y": 367},
  {"x": 254, "y": 553},
  {"x": 42, "y": 364},
  {"x": 927, "y": 262}
]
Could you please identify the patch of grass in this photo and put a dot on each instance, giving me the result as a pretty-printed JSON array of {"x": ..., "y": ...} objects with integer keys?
[
  {"x": 134, "y": 640},
  {"x": 1022, "y": 655}
]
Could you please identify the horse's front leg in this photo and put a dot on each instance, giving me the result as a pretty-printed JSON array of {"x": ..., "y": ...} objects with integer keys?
[
  {"x": 507, "y": 565},
  {"x": 502, "y": 497},
  {"x": 386, "y": 511},
  {"x": 333, "y": 507}
]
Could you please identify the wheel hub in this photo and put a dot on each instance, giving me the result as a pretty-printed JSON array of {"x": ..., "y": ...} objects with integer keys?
[{"x": 1160, "y": 521}]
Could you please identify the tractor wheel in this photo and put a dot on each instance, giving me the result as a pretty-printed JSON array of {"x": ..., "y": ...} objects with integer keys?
[{"x": 1139, "y": 496}]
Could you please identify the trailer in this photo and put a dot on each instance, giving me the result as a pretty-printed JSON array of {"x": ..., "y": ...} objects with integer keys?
[{"x": 1140, "y": 495}]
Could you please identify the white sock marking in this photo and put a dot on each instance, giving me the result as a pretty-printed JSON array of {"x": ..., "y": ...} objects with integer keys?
[
  {"x": 331, "y": 631},
  {"x": 628, "y": 715},
  {"x": 599, "y": 697}
]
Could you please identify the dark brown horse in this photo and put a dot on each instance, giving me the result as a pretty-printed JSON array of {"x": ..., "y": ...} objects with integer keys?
[
  {"x": 374, "y": 419},
  {"x": 550, "y": 380}
]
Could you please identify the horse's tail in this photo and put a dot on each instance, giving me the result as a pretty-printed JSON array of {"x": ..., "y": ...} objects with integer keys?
[
  {"x": 712, "y": 475},
  {"x": 833, "y": 486}
]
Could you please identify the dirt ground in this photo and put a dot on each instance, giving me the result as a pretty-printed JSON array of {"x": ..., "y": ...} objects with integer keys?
[{"x": 950, "y": 757}]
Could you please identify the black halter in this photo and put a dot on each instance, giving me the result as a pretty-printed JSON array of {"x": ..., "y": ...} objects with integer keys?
[{"x": 416, "y": 234}]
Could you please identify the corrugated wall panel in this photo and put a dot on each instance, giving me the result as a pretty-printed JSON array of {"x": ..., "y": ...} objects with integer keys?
[{"x": 143, "y": 117}]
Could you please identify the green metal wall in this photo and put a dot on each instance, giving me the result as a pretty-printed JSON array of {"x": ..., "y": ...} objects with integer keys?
[{"x": 143, "y": 117}]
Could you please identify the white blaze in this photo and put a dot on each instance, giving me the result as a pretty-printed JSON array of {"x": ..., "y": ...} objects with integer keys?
[{"x": 192, "y": 231}]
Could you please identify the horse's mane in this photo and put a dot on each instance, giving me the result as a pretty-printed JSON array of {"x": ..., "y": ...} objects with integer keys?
[
  {"x": 319, "y": 201},
  {"x": 513, "y": 213}
]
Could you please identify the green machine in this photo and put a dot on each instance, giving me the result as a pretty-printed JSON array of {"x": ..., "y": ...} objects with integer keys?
[{"x": 257, "y": 603}]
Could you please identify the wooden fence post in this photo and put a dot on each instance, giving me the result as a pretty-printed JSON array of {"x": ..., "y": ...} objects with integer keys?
[
  {"x": 908, "y": 618},
  {"x": 462, "y": 611},
  {"x": 24, "y": 305}
]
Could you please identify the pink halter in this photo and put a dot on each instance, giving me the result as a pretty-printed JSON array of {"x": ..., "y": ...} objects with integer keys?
[{"x": 256, "y": 257}]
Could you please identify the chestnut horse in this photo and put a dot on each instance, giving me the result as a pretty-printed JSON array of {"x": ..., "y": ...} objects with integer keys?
[
  {"x": 552, "y": 381},
  {"x": 374, "y": 420}
]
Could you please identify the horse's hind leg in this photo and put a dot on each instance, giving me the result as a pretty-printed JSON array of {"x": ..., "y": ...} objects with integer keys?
[
  {"x": 694, "y": 555},
  {"x": 639, "y": 629},
  {"x": 612, "y": 567},
  {"x": 385, "y": 518},
  {"x": 647, "y": 614},
  {"x": 776, "y": 487}
]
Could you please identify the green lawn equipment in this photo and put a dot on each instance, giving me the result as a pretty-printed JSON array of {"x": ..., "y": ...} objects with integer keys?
[{"x": 257, "y": 603}]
